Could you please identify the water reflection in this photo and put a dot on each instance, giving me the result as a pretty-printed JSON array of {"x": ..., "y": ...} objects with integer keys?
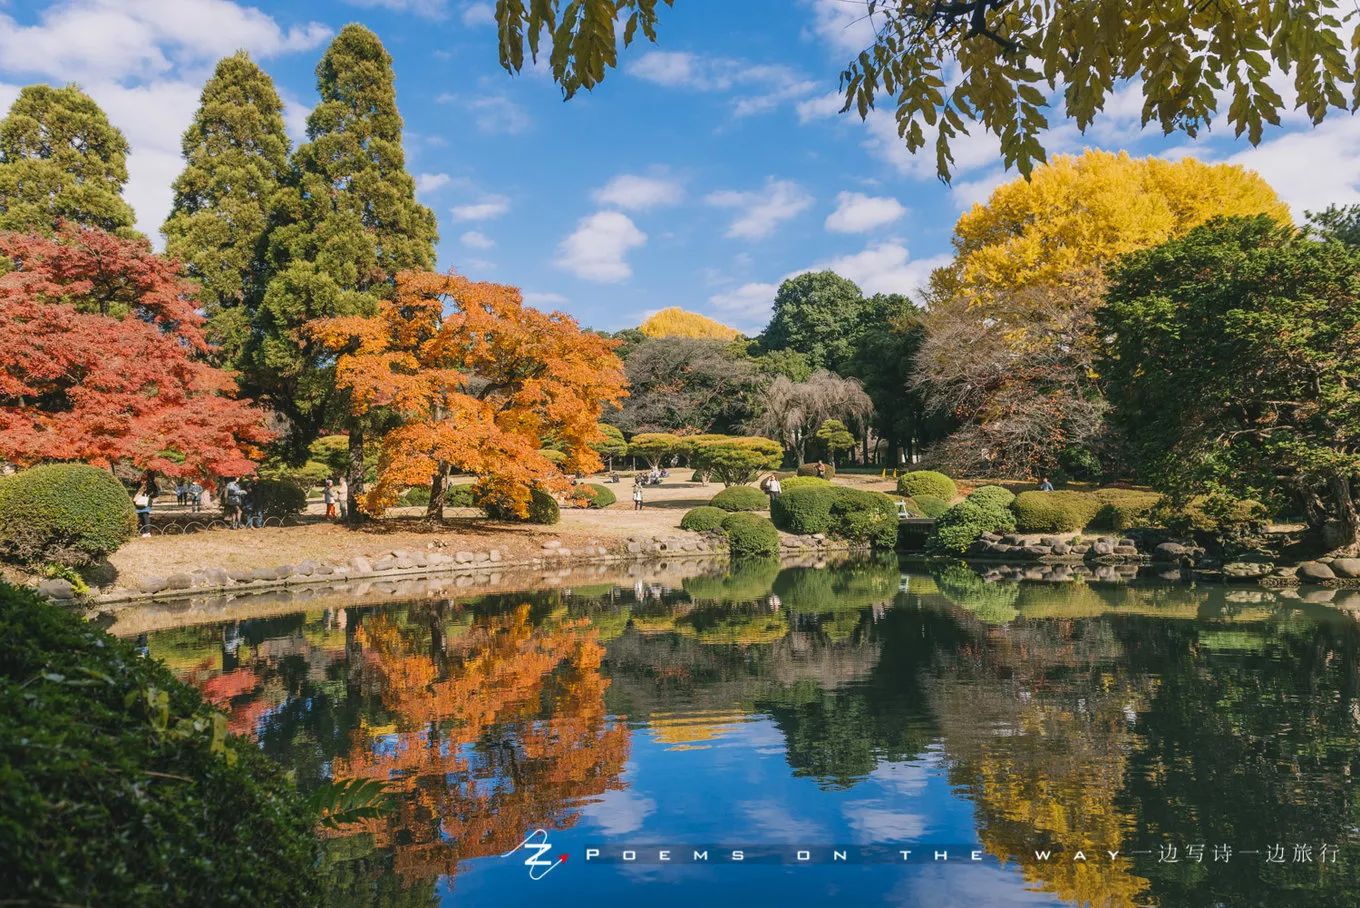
[{"x": 862, "y": 703}]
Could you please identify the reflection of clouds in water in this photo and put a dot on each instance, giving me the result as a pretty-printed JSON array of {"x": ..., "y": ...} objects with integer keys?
[
  {"x": 874, "y": 821},
  {"x": 967, "y": 886},
  {"x": 619, "y": 812},
  {"x": 773, "y": 822},
  {"x": 904, "y": 778}
]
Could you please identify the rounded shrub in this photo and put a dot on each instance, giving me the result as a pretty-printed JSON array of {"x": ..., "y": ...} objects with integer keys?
[
  {"x": 804, "y": 508},
  {"x": 542, "y": 509},
  {"x": 593, "y": 495},
  {"x": 459, "y": 496},
  {"x": 750, "y": 535},
  {"x": 926, "y": 482},
  {"x": 283, "y": 498},
  {"x": 930, "y": 505},
  {"x": 866, "y": 518},
  {"x": 740, "y": 498},
  {"x": 1054, "y": 512},
  {"x": 703, "y": 519},
  {"x": 126, "y": 790},
  {"x": 810, "y": 469},
  {"x": 802, "y": 482},
  {"x": 69, "y": 514},
  {"x": 996, "y": 495},
  {"x": 960, "y": 526},
  {"x": 417, "y": 496},
  {"x": 1124, "y": 509}
]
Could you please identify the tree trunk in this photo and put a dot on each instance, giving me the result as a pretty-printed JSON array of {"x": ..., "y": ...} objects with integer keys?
[
  {"x": 1342, "y": 529},
  {"x": 435, "y": 509},
  {"x": 355, "y": 476}
]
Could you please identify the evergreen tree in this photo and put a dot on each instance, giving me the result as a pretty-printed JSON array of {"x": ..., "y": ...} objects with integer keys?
[
  {"x": 343, "y": 227},
  {"x": 236, "y": 157},
  {"x": 61, "y": 159}
]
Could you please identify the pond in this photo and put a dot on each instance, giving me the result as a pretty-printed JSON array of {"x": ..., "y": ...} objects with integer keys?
[{"x": 820, "y": 722}]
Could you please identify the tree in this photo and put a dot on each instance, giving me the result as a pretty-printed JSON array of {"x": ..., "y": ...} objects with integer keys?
[
  {"x": 676, "y": 322},
  {"x": 654, "y": 447},
  {"x": 480, "y": 383},
  {"x": 818, "y": 314},
  {"x": 101, "y": 360},
  {"x": 1000, "y": 64},
  {"x": 61, "y": 160},
  {"x": 738, "y": 461},
  {"x": 345, "y": 225},
  {"x": 610, "y": 445},
  {"x": 236, "y": 157},
  {"x": 1233, "y": 361},
  {"x": 834, "y": 437},
  {"x": 680, "y": 384},
  {"x": 1009, "y": 336},
  {"x": 794, "y": 410}
]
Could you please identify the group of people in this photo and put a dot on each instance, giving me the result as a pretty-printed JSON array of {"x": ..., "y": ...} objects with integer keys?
[{"x": 335, "y": 495}]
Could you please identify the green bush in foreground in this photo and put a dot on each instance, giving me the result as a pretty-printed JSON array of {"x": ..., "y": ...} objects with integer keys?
[
  {"x": 813, "y": 506},
  {"x": 69, "y": 514},
  {"x": 283, "y": 498},
  {"x": 543, "y": 509},
  {"x": 1054, "y": 512},
  {"x": 119, "y": 785},
  {"x": 750, "y": 535},
  {"x": 926, "y": 482},
  {"x": 740, "y": 498},
  {"x": 929, "y": 505},
  {"x": 460, "y": 496},
  {"x": 1000, "y": 496},
  {"x": 703, "y": 519},
  {"x": 593, "y": 495},
  {"x": 804, "y": 506},
  {"x": 961, "y": 525}
]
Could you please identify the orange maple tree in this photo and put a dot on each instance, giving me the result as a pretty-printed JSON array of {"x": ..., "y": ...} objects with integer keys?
[
  {"x": 101, "y": 352},
  {"x": 481, "y": 382}
]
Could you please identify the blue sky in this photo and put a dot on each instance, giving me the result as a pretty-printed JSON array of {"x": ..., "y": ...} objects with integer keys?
[{"x": 700, "y": 174}]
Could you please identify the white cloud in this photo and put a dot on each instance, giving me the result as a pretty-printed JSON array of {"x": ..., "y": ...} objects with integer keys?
[
  {"x": 859, "y": 213},
  {"x": 597, "y": 249},
  {"x": 477, "y": 14},
  {"x": 1312, "y": 168},
  {"x": 820, "y": 107},
  {"x": 760, "y": 211},
  {"x": 764, "y": 86},
  {"x": 494, "y": 115},
  {"x": 633, "y": 192},
  {"x": 475, "y": 239},
  {"x": 842, "y": 24},
  {"x": 430, "y": 9},
  {"x": 967, "y": 193},
  {"x": 429, "y": 182},
  {"x": 539, "y": 299},
  {"x": 491, "y": 206},
  {"x": 749, "y": 305},
  {"x": 884, "y": 268}
]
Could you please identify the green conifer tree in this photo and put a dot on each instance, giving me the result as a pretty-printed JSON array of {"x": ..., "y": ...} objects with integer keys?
[
  {"x": 344, "y": 226},
  {"x": 236, "y": 158},
  {"x": 61, "y": 159}
]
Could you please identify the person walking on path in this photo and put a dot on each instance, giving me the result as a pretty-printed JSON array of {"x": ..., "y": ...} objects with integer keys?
[
  {"x": 637, "y": 496},
  {"x": 773, "y": 488},
  {"x": 328, "y": 496},
  {"x": 142, "y": 499}
]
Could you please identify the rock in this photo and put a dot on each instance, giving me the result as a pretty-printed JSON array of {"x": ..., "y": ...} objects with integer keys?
[
  {"x": 463, "y": 557},
  {"x": 480, "y": 557},
  {"x": 1036, "y": 551},
  {"x": 990, "y": 537},
  {"x": 1346, "y": 567},
  {"x": 179, "y": 582},
  {"x": 494, "y": 554},
  {"x": 56, "y": 588},
  {"x": 304, "y": 568},
  {"x": 361, "y": 565},
  {"x": 1061, "y": 548},
  {"x": 404, "y": 562},
  {"x": 323, "y": 570},
  {"x": 385, "y": 563},
  {"x": 566, "y": 553},
  {"x": 1246, "y": 570},
  {"x": 552, "y": 544},
  {"x": 634, "y": 547},
  {"x": 1315, "y": 571},
  {"x": 1128, "y": 542},
  {"x": 420, "y": 559},
  {"x": 1319, "y": 596},
  {"x": 1169, "y": 551},
  {"x": 241, "y": 575},
  {"x": 262, "y": 573},
  {"x": 1102, "y": 547},
  {"x": 151, "y": 584},
  {"x": 1080, "y": 549},
  {"x": 1126, "y": 550},
  {"x": 1013, "y": 539},
  {"x": 1049, "y": 541},
  {"x": 216, "y": 576}
]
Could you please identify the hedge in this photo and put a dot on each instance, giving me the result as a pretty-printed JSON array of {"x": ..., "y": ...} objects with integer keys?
[
  {"x": 810, "y": 469},
  {"x": 542, "y": 509},
  {"x": 69, "y": 514},
  {"x": 1123, "y": 509},
  {"x": 929, "y": 505},
  {"x": 593, "y": 495},
  {"x": 703, "y": 519},
  {"x": 1054, "y": 512},
  {"x": 278, "y": 498},
  {"x": 926, "y": 482},
  {"x": 120, "y": 787},
  {"x": 804, "y": 508},
  {"x": 961, "y": 525},
  {"x": 416, "y": 496},
  {"x": 999, "y": 496},
  {"x": 750, "y": 535},
  {"x": 850, "y": 514},
  {"x": 740, "y": 498},
  {"x": 459, "y": 496}
]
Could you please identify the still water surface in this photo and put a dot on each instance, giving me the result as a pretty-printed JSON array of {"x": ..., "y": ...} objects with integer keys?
[{"x": 1210, "y": 737}]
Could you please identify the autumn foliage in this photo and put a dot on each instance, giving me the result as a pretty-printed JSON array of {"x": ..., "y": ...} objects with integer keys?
[
  {"x": 676, "y": 322},
  {"x": 100, "y": 361},
  {"x": 482, "y": 384}
]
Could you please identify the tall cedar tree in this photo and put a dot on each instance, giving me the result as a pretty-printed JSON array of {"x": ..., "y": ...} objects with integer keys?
[
  {"x": 481, "y": 382},
  {"x": 345, "y": 225},
  {"x": 236, "y": 157},
  {"x": 101, "y": 360},
  {"x": 61, "y": 160}
]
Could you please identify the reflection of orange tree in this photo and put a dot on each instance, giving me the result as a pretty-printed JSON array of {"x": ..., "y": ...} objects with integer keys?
[
  {"x": 476, "y": 760},
  {"x": 1037, "y": 733}
]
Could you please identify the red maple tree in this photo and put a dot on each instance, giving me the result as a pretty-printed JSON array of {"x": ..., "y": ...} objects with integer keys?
[{"x": 100, "y": 361}]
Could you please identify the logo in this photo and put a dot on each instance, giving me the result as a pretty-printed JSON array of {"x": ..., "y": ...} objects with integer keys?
[{"x": 536, "y": 844}]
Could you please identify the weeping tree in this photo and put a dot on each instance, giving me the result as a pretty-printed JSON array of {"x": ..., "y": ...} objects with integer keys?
[{"x": 794, "y": 410}]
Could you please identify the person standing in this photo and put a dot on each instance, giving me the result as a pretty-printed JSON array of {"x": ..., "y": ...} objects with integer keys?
[
  {"x": 637, "y": 496},
  {"x": 231, "y": 502},
  {"x": 142, "y": 499},
  {"x": 181, "y": 493},
  {"x": 196, "y": 496},
  {"x": 328, "y": 497},
  {"x": 1045, "y": 485},
  {"x": 821, "y": 470},
  {"x": 773, "y": 488},
  {"x": 342, "y": 498}
]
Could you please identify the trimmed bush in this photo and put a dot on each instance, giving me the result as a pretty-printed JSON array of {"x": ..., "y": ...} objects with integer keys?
[
  {"x": 121, "y": 787},
  {"x": 802, "y": 482},
  {"x": 543, "y": 509},
  {"x": 703, "y": 519},
  {"x": 459, "y": 496},
  {"x": 1000, "y": 496},
  {"x": 929, "y": 505},
  {"x": 593, "y": 495},
  {"x": 66, "y": 513},
  {"x": 810, "y": 469},
  {"x": 961, "y": 525},
  {"x": 1054, "y": 512},
  {"x": 926, "y": 482},
  {"x": 282, "y": 498},
  {"x": 417, "y": 496},
  {"x": 803, "y": 508},
  {"x": 741, "y": 498},
  {"x": 750, "y": 535},
  {"x": 867, "y": 518},
  {"x": 1124, "y": 509}
]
